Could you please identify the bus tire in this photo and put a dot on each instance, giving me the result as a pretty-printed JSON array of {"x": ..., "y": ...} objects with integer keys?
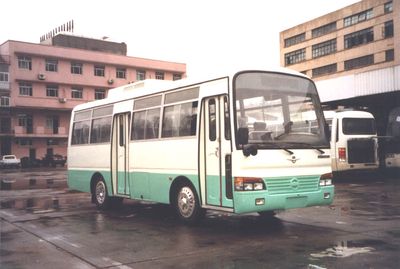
[
  {"x": 187, "y": 204},
  {"x": 100, "y": 194}
]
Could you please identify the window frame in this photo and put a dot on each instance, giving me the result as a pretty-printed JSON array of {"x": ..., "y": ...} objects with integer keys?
[
  {"x": 388, "y": 29},
  {"x": 76, "y": 68},
  {"x": 359, "y": 62},
  {"x": 120, "y": 72},
  {"x": 388, "y": 7},
  {"x": 295, "y": 57},
  {"x": 324, "y": 29},
  {"x": 25, "y": 62},
  {"x": 99, "y": 92},
  {"x": 160, "y": 75},
  {"x": 25, "y": 88},
  {"x": 293, "y": 40},
  {"x": 51, "y": 89},
  {"x": 99, "y": 70},
  {"x": 359, "y": 38},
  {"x": 140, "y": 75},
  {"x": 51, "y": 65},
  {"x": 359, "y": 17},
  {"x": 176, "y": 77},
  {"x": 324, "y": 48},
  {"x": 324, "y": 70},
  {"x": 76, "y": 93}
]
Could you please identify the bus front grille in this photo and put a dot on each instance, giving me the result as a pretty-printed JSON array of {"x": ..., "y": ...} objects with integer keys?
[{"x": 292, "y": 184}]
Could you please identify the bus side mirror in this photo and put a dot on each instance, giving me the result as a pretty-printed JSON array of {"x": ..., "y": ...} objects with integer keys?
[{"x": 243, "y": 136}]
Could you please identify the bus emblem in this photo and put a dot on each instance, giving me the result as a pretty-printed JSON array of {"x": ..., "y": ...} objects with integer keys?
[
  {"x": 294, "y": 183},
  {"x": 293, "y": 159}
]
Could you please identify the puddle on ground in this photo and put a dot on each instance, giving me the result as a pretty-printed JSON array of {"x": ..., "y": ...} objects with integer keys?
[
  {"x": 343, "y": 249},
  {"x": 46, "y": 204},
  {"x": 7, "y": 184}
]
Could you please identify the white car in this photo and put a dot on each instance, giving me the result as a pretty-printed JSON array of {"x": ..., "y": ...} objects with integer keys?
[{"x": 10, "y": 161}]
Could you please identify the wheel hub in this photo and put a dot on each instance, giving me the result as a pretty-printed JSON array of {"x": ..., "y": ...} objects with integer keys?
[{"x": 186, "y": 202}]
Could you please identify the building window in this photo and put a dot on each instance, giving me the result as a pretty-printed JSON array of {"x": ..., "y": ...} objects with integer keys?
[
  {"x": 52, "y": 90},
  {"x": 176, "y": 76},
  {"x": 25, "y": 62},
  {"x": 26, "y": 121},
  {"x": 25, "y": 88},
  {"x": 389, "y": 55},
  {"x": 25, "y": 142},
  {"x": 160, "y": 75},
  {"x": 388, "y": 29},
  {"x": 140, "y": 75},
  {"x": 362, "y": 16},
  {"x": 295, "y": 40},
  {"x": 99, "y": 70},
  {"x": 359, "y": 62},
  {"x": 4, "y": 101},
  {"x": 76, "y": 68},
  {"x": 388, "y": 7},
  {"x": 324, "y": 70},
  {"x": 324, "y": 48},
  {"x": 358, "y": 38},
  {"x": 77, "y": 93},
  {"x": 4, "y": 76},
  {"x": 295, "y": 56},
  {"x": 22, "y": 119},
  {"x": 323, "y": 30},
  {"x": 99, "y": 94},
  {"x": 53, "y": 123},
  {"x": 121, "y": 73},
  {"x": 51, "y": 65}
]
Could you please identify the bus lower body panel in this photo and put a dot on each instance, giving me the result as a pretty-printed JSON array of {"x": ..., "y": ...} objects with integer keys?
[{"x": 258, "y": 201}]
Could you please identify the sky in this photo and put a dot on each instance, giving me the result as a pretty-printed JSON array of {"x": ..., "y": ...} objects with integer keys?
[{"x": 207, "y": 35}]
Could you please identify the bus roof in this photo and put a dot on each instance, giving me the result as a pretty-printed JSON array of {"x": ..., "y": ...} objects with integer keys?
[{"x": 152, "y": 86}]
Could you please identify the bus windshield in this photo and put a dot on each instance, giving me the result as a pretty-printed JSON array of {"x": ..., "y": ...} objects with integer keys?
[{"x": 279, "y": 110}]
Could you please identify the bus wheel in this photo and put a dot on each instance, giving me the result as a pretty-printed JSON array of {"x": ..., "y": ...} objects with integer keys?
[
  {"x": 100, "y": 195},
  {"x": 187, "y": 205}
]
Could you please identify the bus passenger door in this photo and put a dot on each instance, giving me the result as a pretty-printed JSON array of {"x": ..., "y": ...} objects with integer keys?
[
  {"x": 216, "y": 146},
  {"x": 120, "y": 154}
]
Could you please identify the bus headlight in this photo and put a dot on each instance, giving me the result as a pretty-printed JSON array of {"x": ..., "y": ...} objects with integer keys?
[
  {"x": 325, "y": 179},
  {"x": 249, "y": 184}
]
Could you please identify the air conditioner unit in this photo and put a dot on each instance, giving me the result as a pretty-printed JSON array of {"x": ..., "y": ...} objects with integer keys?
[
  {"x": 110, "y": 81},
  {"x": 41, "y": 76},
  {"x": 62, "y": 100}
]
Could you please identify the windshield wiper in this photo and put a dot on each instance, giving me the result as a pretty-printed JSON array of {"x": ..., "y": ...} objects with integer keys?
[
  {"x": 308, "y": 145},
  {"x": 276, "y": 146}
]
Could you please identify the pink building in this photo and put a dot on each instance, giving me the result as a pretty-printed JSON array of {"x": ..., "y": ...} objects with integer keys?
[{"x": 41, "y": 83}]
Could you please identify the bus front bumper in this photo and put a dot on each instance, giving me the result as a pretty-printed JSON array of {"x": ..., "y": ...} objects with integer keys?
[{"x": 258, "y": 201}]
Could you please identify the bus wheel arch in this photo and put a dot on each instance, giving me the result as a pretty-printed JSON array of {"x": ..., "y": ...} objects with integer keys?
[
  {"x": 185, "y": 200},
  {"x": 98, "y": 189},
  {"x": 100, "y": 194}
]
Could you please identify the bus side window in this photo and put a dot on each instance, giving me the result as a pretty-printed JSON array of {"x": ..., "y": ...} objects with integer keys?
[
  {"x": 227, "y": 119},
  {"x": 121, "y": 131},
  {"x": 212, "y": 133}
]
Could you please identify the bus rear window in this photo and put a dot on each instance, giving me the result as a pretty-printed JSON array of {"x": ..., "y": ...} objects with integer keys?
[{"x": 358, "y": 126}]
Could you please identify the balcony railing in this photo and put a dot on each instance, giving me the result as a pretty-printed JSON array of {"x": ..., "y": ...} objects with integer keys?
[{"x": 40, "y": 131}]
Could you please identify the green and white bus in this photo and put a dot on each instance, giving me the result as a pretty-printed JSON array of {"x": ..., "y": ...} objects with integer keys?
[{"x": 238, "y": 143}]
